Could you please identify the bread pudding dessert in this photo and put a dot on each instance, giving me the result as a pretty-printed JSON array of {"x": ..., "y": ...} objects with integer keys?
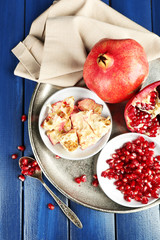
[{"x": 75, "y": 125}]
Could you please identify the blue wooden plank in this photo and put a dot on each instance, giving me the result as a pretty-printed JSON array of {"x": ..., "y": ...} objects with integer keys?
[
  {"x": 11, "y": 93},
  {"x": 145, "y": 224},
  {"x": 137, "y": 10},
  {"x": 96, "y": 225},
  {"x": 39, "y": 221},
  {"x": 156, "y": 16}
]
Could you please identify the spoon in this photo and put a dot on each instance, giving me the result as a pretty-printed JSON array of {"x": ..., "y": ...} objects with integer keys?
[{"x": 66, "y": 210}]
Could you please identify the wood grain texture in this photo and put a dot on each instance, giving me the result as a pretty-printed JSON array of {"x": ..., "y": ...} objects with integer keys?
[
  {"x": 11, "y": 94},
  {"x": 137, "y": 10},
  {"x": 145, "y": 224},
  {"x": 96, "y": 225},
  {"x": 156, "y": 16},
  {"x": 40, "y": 223}
]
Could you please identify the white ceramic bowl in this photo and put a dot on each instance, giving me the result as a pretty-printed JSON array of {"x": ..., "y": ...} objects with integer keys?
[
  {"x": 78, "y": 93},
  {"x": 108, "y": 185}
]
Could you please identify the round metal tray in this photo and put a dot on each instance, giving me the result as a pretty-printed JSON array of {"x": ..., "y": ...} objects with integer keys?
[{"x": 61, "y": 172}]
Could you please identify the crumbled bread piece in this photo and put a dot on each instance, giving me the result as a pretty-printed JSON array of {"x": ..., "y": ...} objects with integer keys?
[
  {"x": 89, "y": 104},
  {"x": 85, "y": 134},
  {"x": 54, "y": 136},
  {"x": 99, "y": 124},
  {"x": 54, "y": 122},
  {"x": 63, "y": 108},
  {"x": 69, "y": 140}
]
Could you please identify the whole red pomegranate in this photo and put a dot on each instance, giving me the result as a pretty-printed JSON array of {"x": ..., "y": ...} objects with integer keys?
[
  {"x": 114, "y": 69},
  {"x": 142, "y": 111}
]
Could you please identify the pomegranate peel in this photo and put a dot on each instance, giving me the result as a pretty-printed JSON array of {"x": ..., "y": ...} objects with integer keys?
[{"x": 142, "y": 112}]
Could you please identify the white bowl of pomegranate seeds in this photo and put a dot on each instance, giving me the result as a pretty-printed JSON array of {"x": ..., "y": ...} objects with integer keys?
[{"x": 128, "y": 170}]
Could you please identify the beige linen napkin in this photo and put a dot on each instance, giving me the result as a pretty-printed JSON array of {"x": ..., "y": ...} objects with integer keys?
[{"x": 59, "y": 40}]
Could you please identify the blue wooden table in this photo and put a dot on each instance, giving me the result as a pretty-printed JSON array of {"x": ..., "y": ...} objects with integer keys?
[{"x": 23, "y": 206}]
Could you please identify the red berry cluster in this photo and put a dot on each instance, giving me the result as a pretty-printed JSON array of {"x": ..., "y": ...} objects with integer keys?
[
  {"x": 80, "y": 179},
  {"x": 28, "y": 168},
  {"x": 83, "y": 178},
  {"x": 136, "y": 170}
]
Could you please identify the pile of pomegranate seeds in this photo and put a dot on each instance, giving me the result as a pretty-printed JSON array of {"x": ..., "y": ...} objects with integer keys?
[
  {"x": 142, "y": 122},
  {"x": 80, "y": 179},
  {"x": 136, "y": 170},
  {"x": 28, "y": 167}
]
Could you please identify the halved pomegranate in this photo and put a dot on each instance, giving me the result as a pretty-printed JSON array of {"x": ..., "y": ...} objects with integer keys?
[{"x": 142, "y": 112}]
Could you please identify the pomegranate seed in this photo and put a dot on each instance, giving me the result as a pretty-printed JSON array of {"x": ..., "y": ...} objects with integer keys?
[
  {"x": 23, "y": 118},
  {"x": 57, "y": 157},
  {"x": 77, "y": 180},
  {"x": 24, "y": 167},
  {"x": 24, "y": 161},
  {"x": 50, "y": 206},
  {"x": 120, "y": 188},
  {"x": 114, "y": 155},
  {"x": 95, "y": 183},
  {"x": 138, "y": 199},
  {"x": 104, "y": 174},
  {"x": 83, "y": 178},
  {"x": 24, "y": 172},
  {"x": 95, "y": 176},
  {"x": 37, "y": 168},
  {"x": 127, "y": 198},
  {"x": 14, "y": 156},
  {"x": 21, "y": 177},
  {"x": 144, "y": 200},
  {"x": 21, "y": 148},
  {"x": 154, "y": 194},
  {"x": 34, "y": 163}
]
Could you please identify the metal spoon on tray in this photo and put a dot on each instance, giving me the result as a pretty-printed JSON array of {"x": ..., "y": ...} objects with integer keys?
[{"x": 38, "y": 175}]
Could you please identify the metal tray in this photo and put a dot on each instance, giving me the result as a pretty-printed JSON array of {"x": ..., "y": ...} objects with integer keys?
[{"x": 61, "y": 172}]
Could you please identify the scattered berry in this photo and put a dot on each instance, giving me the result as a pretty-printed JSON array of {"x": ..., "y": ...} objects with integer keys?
[
  {"x": 95, "y": 183},
  {"x": 14, "y": 156},
  {"x": 21, "y": 148},
  {"x": 57, "y": 157},
  {"x": 78, "y": 180},
  {"x": 23, "y": 118},
  {"x": 95, "y": 176},
  {"x": 83, "y": 178},
  {"x": 50, "y": 206},
  {"x": 21, "y": 177}
]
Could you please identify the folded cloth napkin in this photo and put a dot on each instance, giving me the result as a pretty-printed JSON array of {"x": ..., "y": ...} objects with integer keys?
[{"x": 55, "y": 50}]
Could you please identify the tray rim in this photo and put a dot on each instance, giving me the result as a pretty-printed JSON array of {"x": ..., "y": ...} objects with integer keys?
[{"x": 130, "y": 210}]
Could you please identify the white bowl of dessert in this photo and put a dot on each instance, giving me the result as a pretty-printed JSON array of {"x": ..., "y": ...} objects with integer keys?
[{"x": 74, "y": 123}]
